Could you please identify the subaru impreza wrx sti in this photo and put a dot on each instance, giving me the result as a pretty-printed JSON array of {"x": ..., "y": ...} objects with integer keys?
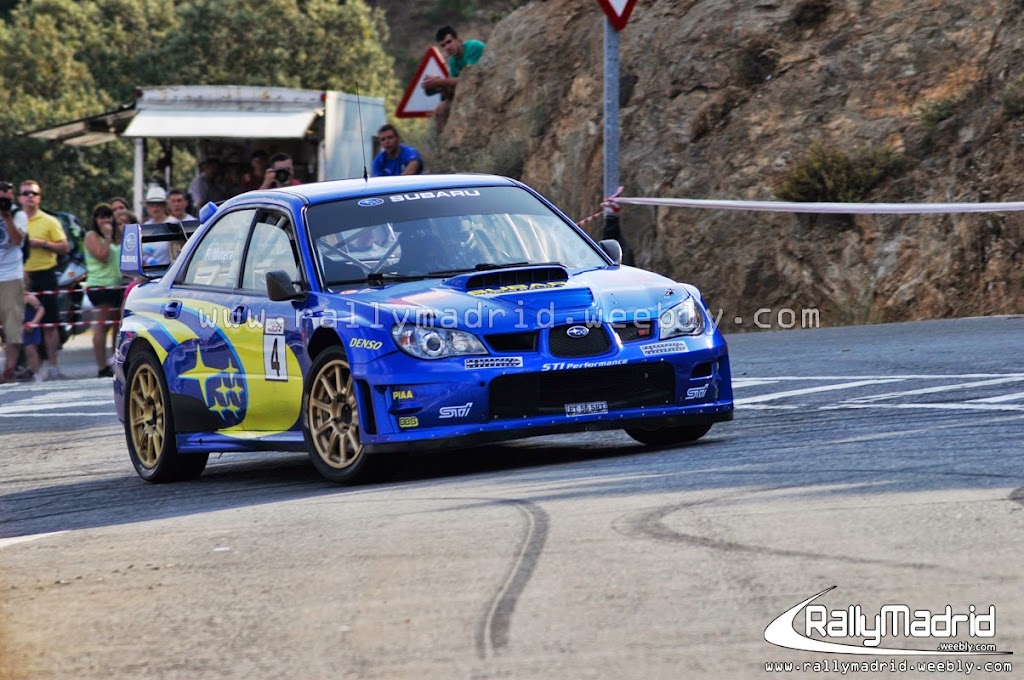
[{"x": 362, "y": 319}]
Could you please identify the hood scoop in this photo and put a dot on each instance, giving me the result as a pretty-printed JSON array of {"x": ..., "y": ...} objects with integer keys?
[{"x": 500, "y": 281}]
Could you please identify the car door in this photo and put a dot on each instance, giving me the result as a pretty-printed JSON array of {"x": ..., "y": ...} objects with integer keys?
[
  {"x": 210, "y": 376},
  {"x": 271, "y": 330}
]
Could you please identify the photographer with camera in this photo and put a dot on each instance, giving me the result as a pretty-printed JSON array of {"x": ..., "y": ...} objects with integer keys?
[
  {"x": 12, "y": 285},
  {"x": 281, "y": 173}
]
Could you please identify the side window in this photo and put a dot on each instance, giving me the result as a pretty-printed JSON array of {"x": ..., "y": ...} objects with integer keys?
[
  {"x": 218, "y": 257},
  {"x": 272, "y": 247}
]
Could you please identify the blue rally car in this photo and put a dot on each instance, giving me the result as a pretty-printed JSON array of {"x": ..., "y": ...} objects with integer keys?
[{"x": 360, "y": 320}]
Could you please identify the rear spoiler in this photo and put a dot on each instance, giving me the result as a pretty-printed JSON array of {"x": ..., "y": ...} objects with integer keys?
[{"x": 137, "y": 235}]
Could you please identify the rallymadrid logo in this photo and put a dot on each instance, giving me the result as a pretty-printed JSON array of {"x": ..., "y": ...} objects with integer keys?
[{"x": 891, "y": 620}]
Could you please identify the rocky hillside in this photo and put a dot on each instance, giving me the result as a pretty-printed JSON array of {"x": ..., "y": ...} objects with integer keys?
[{"x": 876, "y": 100}]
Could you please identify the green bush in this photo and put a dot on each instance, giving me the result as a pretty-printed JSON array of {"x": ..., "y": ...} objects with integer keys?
[
  {"x": 826, "y": 174},
  {"x": 1013, "y": 97},
  {"x": 934, "y": 111}
]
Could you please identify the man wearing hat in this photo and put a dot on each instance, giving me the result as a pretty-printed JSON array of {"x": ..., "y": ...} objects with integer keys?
[{"x": 156, "y": 254}]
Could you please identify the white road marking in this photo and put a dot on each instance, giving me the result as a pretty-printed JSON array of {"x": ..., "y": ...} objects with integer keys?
[
  {"x": 810, "y": 390},
  {"x": 7, "y": 542},
  {"x": 956, "y": 376},
  {"x": 995, "y": 400},
  {"x": 751, "y": 382},
  {"x": 934, "y": 390},
  {"x": 59, "y": 414},
  {"x": 32, "y": 407},
  {"x": 961, "y": 406},
  {"x": 921, "y": 430}
]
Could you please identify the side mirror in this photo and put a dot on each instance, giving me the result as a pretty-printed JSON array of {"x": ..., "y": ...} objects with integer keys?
[
  {"x": 612, "y": 249},
  {"x": 281, "y": 287}
]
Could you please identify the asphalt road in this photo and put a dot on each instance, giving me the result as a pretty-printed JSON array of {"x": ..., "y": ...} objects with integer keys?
[{"x": 884, "y": 460}]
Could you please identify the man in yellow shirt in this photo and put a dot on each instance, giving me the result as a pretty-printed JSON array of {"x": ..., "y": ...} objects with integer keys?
[{"x": 46, "y": 240}]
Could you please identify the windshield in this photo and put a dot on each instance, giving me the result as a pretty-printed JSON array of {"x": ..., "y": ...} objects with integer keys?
[{"x": 440, "y": 233}]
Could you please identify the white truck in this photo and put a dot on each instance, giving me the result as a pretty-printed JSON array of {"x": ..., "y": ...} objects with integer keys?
[{"x": 328, "y": 134}]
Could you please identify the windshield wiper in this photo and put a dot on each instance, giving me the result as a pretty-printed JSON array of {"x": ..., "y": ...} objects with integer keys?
[
  {"x": 490, "y": 266},
  {"x": 378, "y": 277}
]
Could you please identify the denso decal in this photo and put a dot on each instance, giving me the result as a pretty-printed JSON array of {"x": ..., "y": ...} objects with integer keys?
[
  {"x": 451, "y": 193},
  {"x": 517, "y": 287},
  {"x": 455, "y": 411},
  {"x": 363, "y": 343}
]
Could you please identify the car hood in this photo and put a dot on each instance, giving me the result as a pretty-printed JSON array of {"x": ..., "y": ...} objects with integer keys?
[{"x": 512, "y": 299}]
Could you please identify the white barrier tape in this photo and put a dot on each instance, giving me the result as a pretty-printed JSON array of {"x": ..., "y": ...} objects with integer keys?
[{"x": 836, "y": 208}]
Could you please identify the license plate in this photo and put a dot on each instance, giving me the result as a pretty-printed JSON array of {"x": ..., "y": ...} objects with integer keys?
[{"x": 586, "y": 408}]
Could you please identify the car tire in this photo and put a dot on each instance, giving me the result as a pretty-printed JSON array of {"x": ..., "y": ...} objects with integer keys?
[
  {"x": 330, "y": 423},
  {"x": 149, "y": 425},
  {"x": 664, "y": 436}
]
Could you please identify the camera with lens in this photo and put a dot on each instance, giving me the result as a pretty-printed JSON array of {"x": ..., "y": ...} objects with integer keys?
[
  {"x": 5, "y": 204},
  {"x": 282, "y": 175}
]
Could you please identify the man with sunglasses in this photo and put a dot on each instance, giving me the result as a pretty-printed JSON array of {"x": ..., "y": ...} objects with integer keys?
[
  {"x": 47, "y": 241},
  {"x": 12, "y": 287}
]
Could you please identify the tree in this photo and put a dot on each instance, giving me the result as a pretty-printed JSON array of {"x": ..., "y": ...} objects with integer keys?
[{"x": 86, "y": 56}]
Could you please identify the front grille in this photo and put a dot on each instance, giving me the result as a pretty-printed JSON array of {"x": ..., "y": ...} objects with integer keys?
[
  {"x": 542, "y": 394},
  {"x": 630, "y": 332},
  {"x": 563, "y": 343},
  {"x": 513, "y": 342}
]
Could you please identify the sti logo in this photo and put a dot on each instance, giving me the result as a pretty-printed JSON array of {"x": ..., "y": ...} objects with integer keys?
[
  {"x": 696, "y": 392},
  {"x": 455, "y": 411}
]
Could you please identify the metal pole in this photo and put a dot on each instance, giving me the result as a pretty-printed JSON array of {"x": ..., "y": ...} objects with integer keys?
[
  {"x": 611, "y": 128},
  {"x": 140, "y": 182}
]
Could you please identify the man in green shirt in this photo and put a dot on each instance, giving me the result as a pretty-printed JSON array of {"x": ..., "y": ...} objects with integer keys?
[{"x": 461, "y": 53}]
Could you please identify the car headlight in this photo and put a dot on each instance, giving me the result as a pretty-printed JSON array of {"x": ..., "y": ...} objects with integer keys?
[
  {"x": 683, "y": 319},
  {"x": 427, "y": 342}
]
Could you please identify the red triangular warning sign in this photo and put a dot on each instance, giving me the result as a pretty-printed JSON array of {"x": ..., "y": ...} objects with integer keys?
[
  {"x": 618, "y": 11},
  {"x": 415, "y": 102}
]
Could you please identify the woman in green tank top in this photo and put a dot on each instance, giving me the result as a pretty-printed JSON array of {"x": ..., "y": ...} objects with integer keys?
[{"x": 103, "y": 281}]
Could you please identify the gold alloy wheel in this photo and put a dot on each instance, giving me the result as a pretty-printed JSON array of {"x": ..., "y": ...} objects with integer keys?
[
  {"x": 146, "y": 416},
  {"x": 333, "y": 416}
]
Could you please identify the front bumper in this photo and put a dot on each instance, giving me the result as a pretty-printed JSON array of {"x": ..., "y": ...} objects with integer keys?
[{"x": 443, "y": 404}]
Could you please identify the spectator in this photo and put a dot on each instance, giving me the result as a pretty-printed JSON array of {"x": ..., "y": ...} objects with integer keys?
[
  {"x": 12, "y": 286},
  {"x": 395, "y": 158},
  {"x": 177, "y": 203},
  {"x": 281, "y": 173},
  {"x": 204, "y": 187},
  {"x": 32, "y": 335},
  {"x": 460, "y": 55},
  {"x": 119, "y": 205},
  {"x": 159, "y": 253},
  {"x": 123, "y": 218},
  {"x": 46, "y": 240},
  {"x": 103, "y": 281},
  {"x": 258, "y": 164}
]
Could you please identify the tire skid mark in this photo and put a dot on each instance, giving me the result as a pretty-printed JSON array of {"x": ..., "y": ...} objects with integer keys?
[
  {"x": 650, "y": 524},
  {"x": 1017, "y": 495},
  {"x": 492, "y": 632}
]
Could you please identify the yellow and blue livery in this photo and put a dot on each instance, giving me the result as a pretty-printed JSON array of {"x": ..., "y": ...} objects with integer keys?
[{"x": 362, "y": 319}]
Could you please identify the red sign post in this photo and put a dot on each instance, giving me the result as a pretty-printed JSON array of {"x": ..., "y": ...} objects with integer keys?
[{"x": 618, "y": 11}]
